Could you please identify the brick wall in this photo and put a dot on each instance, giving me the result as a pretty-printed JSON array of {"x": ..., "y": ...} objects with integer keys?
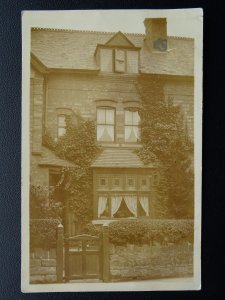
[
  {"x": 80, "y": 93},
  {"x": 149, "y": 262},
  {"x": 37, "y": 95},
  {"x": 43, "y": 265}
]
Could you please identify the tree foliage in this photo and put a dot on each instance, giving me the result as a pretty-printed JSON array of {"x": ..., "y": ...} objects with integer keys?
[
  {"x": 79, "y": 146},
  {"x": 43, "y": 204},
  {"x": 165, "y": 140}
]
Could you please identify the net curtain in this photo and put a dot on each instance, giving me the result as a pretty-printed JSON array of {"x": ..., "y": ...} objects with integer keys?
[
  {"x": 131, "y": 202},
  {"x": 115, "y": 204},
  {"x": 105, "y": 124},
  {"x": 144, "y": 203},
  {"x": 102, "y": 202}
]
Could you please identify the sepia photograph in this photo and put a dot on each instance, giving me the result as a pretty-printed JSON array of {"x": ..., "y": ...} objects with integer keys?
[{"x": 111, "y": 150}]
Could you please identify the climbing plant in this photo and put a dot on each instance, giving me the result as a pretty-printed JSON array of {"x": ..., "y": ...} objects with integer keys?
[
  {"x": 165, "y": 140},
  {"x": 79, "y": 146}
]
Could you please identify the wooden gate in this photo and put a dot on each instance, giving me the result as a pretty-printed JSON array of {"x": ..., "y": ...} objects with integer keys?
[{"x": 83, "y": 257}]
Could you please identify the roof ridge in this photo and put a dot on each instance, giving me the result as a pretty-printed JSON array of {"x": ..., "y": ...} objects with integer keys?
[
  {"x": 85, "y": 31},
  {"x": 104, "y": 32},
  {"x": 180, "y": 37},
  {"x": 71, "y": 30}
]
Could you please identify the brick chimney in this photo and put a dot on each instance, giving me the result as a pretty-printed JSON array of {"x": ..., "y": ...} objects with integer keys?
[{"x": 156, "y": 33}]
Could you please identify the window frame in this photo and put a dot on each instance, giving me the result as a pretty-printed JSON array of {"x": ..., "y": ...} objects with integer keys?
[
  {"x": 117, "y": 60},
  {"x": 131, "y": 187},
  {"x": 131, "y": 109},
  {"x": 106, "y": 185},
  {"x": 59, "y": 126},
  {"x": 101, "y": 124}
]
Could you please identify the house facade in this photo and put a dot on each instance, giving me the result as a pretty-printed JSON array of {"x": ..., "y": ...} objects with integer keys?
[{"x": 93, "y": 75}]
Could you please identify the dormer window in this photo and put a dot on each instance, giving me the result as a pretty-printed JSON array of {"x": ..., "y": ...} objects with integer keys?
[{"x": 118, "y": 55}]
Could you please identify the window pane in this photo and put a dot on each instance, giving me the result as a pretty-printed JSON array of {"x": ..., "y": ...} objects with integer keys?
[
  {"x": 130, "y": 181},
  {"x": 136, "y": 132},
  {"x": 61, "y": 121},
  {"x": 128, "y": 117},
  {"x": 136, "y": 118},
  {"x": 120, "y": 54},
  {"x": 101, "y": 116},
  {"x": 131, "y": 134},
  {"x": 105, "y": 133},
  {"x": 110, "y": 116},
  {"x": 102, "y": 182},
  {"x": 61, "y": 131},
  {"x": 116, "y": 181}
]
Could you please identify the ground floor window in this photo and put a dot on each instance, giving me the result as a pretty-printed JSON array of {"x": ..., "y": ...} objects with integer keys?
[{"x": 123, "y": 206}]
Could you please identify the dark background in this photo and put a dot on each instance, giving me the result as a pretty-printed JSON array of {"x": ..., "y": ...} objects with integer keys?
[{"x": 213, "y": 224}]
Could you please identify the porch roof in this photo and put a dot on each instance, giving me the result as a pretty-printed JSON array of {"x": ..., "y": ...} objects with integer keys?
[
  {"x": 120, "y": 158},
  {"x": 50, "y": 159}
]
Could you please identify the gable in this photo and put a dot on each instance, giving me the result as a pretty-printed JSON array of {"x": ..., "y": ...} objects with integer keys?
[{"x": 119, "y": 39}]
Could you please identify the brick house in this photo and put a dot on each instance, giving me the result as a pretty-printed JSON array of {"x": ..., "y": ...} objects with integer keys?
[{"x": 93, "y": 75}]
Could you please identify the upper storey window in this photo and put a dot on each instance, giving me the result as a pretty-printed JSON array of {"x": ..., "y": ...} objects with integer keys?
[
  {"x": 120, "y": 60},
  {"x": 118, "y": 55},
  {"x": 61, "y": 125},
  {"x": 105, "y": 124},
  {"x": 131, "y": 125}
]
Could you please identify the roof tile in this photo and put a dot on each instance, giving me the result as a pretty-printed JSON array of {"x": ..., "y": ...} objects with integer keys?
[
  {"x": 50, "y": 159},
  {"x": 75, "y": 50},
  {"x": 119, "y": 158}
]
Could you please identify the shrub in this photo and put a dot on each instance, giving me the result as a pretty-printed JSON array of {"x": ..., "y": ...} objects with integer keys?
[
  {"x": 149, "y": 231},
  {"x": 43, "y": 232},
  {"x": 43, "y": 204},
  {"x": 91, "y": 229}
]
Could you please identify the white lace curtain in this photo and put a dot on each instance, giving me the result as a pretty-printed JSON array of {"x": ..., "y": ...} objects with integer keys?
[
  {"x": 144, "y": 203},
  {"x": 131, "y": 133},
  {"x": 115, "y": 204},
  {"x": 105, "y": 132},
  {"x": 131, "y": 202},
  {"x": 102, "y": 202}
]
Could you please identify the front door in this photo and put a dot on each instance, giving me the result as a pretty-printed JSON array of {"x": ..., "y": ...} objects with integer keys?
[{"x": 82, "y": 257}]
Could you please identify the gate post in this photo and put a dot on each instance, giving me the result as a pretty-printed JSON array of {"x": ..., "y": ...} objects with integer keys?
[
  {"x": 105, "y": 246},
  {"x": 67, "y": 268},
  {"x": 59, "y": 253}
]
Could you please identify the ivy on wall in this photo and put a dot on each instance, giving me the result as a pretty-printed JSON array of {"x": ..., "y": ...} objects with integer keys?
[
  {"x": 79, "y": 146},
  {"x": 165, "y": 139}
]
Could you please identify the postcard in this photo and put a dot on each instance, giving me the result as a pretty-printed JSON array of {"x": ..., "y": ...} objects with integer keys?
[{"x": 111, "y": 150}]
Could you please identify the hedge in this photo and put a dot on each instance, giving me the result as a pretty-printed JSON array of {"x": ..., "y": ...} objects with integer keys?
[
  {"x": 147, "y": 231},
  {"x": 43, "y": 232},
  {"x": 139, "y": 232}
]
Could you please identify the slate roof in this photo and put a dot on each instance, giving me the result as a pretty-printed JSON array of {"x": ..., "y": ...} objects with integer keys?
[
  {"x": 50, "y": 159},
  {"x": 119, "y": 158},
  {"x": 74, "y": 49}
]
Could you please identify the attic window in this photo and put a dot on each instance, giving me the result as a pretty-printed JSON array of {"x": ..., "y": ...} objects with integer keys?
[{"x": 119, "y": 60}]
